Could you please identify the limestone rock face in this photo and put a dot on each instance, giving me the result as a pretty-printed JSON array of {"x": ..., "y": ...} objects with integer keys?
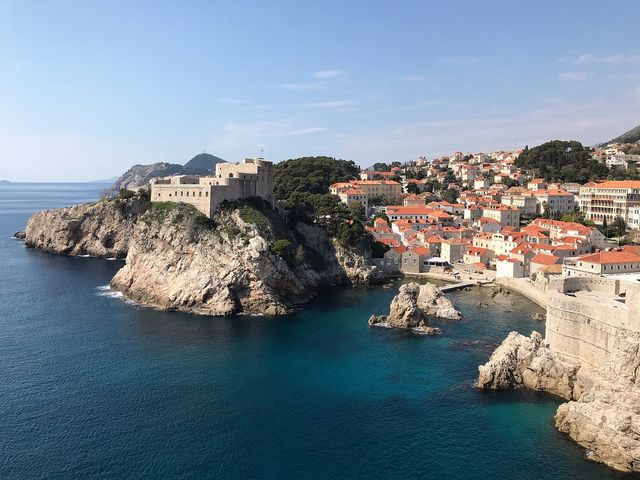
[
  {"x": 179, "y": 264},
  {"x": 412, "y": 307},
  {"x": 432, "y": 302},
  {"x": 605, "y": 420},
  {"x": 339, "y": 264},
  {"x": 100, "y": 229},
  {"x": 525, "y": 362},
  {"x": 603, "y": 412},
  {"x": 139, "y": 176}
]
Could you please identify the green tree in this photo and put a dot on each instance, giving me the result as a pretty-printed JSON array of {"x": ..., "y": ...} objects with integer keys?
[
  {"x": 618, "y": 227},
  {"x": 310, "y": 175},
  {"x": 450, "y": 195},
  {"x": 381, "y": 167},
  {"x": 284, "y": 249},
  {"x": 412, "y": 187},
  {"x": 566, "y": 161},
  {"x": 357, "y": 211},
  {"x": 605, "y": 228}
]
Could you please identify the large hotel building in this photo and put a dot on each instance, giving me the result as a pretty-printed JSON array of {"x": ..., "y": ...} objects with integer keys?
[{"x": 610, "y": 199}]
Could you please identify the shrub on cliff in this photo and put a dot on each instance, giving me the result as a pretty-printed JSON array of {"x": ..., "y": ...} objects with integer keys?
[
  {"x": 283, "y": 248},
  {"x": 183, "y": 213}
]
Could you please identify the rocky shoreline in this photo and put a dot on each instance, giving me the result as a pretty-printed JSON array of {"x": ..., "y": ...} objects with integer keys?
[
  {"x": 178, "y": 259},
  {"x": 601, "y": 413}
]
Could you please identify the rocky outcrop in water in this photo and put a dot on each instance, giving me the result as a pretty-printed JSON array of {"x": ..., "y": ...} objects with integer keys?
[
  {"x": 526, "y": 362},
  {"x": 603, "y": 413},
  {"x": 412, "y": 307},
  {"x": 99, "y": 229}
]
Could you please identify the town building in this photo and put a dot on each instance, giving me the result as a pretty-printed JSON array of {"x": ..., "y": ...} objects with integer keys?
[
  {"x": 602, "y": 263},
  {"x": 609, "y": 199}
]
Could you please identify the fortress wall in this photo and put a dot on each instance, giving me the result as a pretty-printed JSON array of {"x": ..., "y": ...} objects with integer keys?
[
  {"x": 535, "y": 291},
  {"x": 585, "y": 329}
]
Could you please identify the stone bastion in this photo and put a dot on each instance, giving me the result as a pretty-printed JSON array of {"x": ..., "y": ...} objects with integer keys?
[{"x": 585, "y": 316}]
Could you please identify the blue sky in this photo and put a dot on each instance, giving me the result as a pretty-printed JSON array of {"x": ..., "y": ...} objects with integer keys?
[{"x": 88, "y": 88}]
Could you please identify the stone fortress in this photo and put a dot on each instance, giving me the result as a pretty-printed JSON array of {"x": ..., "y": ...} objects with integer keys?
[
  {"x": 232, "y": 181},
  {"x": 587, "y": 315}
]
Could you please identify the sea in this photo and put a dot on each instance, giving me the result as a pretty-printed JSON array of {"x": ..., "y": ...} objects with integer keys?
[{"x": 95, "y": 387}]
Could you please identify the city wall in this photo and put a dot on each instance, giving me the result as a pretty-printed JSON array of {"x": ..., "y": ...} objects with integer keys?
[{"x": 585, "y": 316}]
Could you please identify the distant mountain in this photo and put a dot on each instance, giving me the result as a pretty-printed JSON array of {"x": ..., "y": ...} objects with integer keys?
[
  {"x": 139, "y": 176},
  {"x": 104, "y": 180},
  {"x": 631, "y": 136},
  {"x": 202, "y": 162},
  {"x": 5, "y": 181}
]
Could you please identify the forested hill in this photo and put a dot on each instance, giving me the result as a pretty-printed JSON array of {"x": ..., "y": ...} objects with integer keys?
[
  {"x": 311, "y": 175},
  {"x": 558, "y": 160}
]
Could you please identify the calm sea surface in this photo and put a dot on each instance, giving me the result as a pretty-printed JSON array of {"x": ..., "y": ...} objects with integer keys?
[{"x": 94, "y": 387}]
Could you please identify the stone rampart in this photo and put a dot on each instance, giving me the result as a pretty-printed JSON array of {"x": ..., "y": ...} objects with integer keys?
[{"x": 586, "y": 315}]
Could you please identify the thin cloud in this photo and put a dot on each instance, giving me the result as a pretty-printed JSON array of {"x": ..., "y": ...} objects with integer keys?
[
  {"x": 614, "y": 59},
  {"x": 233, "y": 101},
  {"x": 456, "y": 61},
  {"x": 268, "y": 128},
  {"x": 327, "y": 74},
  {"x": 573, "y": 76},
  {"x": 413, "y": 78},
  {"x": 304, "y": 86},
  {"x": 330, "y": 104}
]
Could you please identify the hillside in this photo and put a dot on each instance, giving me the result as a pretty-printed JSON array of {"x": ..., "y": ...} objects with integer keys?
[
  {"x": 202, "y": 162},
  {"x": 631, "y": 136},
  {"x": 566, "y": 161},
  {"x": 139, "y": 176}
]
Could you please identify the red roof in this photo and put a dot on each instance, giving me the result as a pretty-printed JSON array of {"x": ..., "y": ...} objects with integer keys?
[
  {"x": 608, "y": 258},
  {"x": 421, "y": 251},
  {"x": 543, "y": 259},
  {"x": 618, "y": 184}
]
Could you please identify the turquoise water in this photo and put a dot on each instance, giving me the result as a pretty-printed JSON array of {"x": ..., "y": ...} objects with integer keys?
[{"x": 94, "y": 387}]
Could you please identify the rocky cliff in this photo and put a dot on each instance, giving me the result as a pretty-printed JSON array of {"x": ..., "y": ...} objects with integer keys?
[
  {"x": 100, "y": 229},
  {"x": 244, "y": 260},
  {"x": 605, "y": 419},
  {"x": 603, "y": 413},
  {"x": 412, "y": 307},
  {"x": 526, "y": 362}
]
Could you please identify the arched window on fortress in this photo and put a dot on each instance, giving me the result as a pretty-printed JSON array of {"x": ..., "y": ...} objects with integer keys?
[
  {"x": 206, "y": 194},
  {"x": 187, "y": 193},
  {"x": 199, "y": 194},
  {"x": 182, "y": 194}
]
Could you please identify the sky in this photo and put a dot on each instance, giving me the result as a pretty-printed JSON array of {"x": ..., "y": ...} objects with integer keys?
[{"x": 90, "y": 88}]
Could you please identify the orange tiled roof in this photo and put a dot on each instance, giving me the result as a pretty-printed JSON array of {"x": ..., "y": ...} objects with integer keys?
[
  {"x": 544, "y": 259},
  {"x": 608, "y": 258}
]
